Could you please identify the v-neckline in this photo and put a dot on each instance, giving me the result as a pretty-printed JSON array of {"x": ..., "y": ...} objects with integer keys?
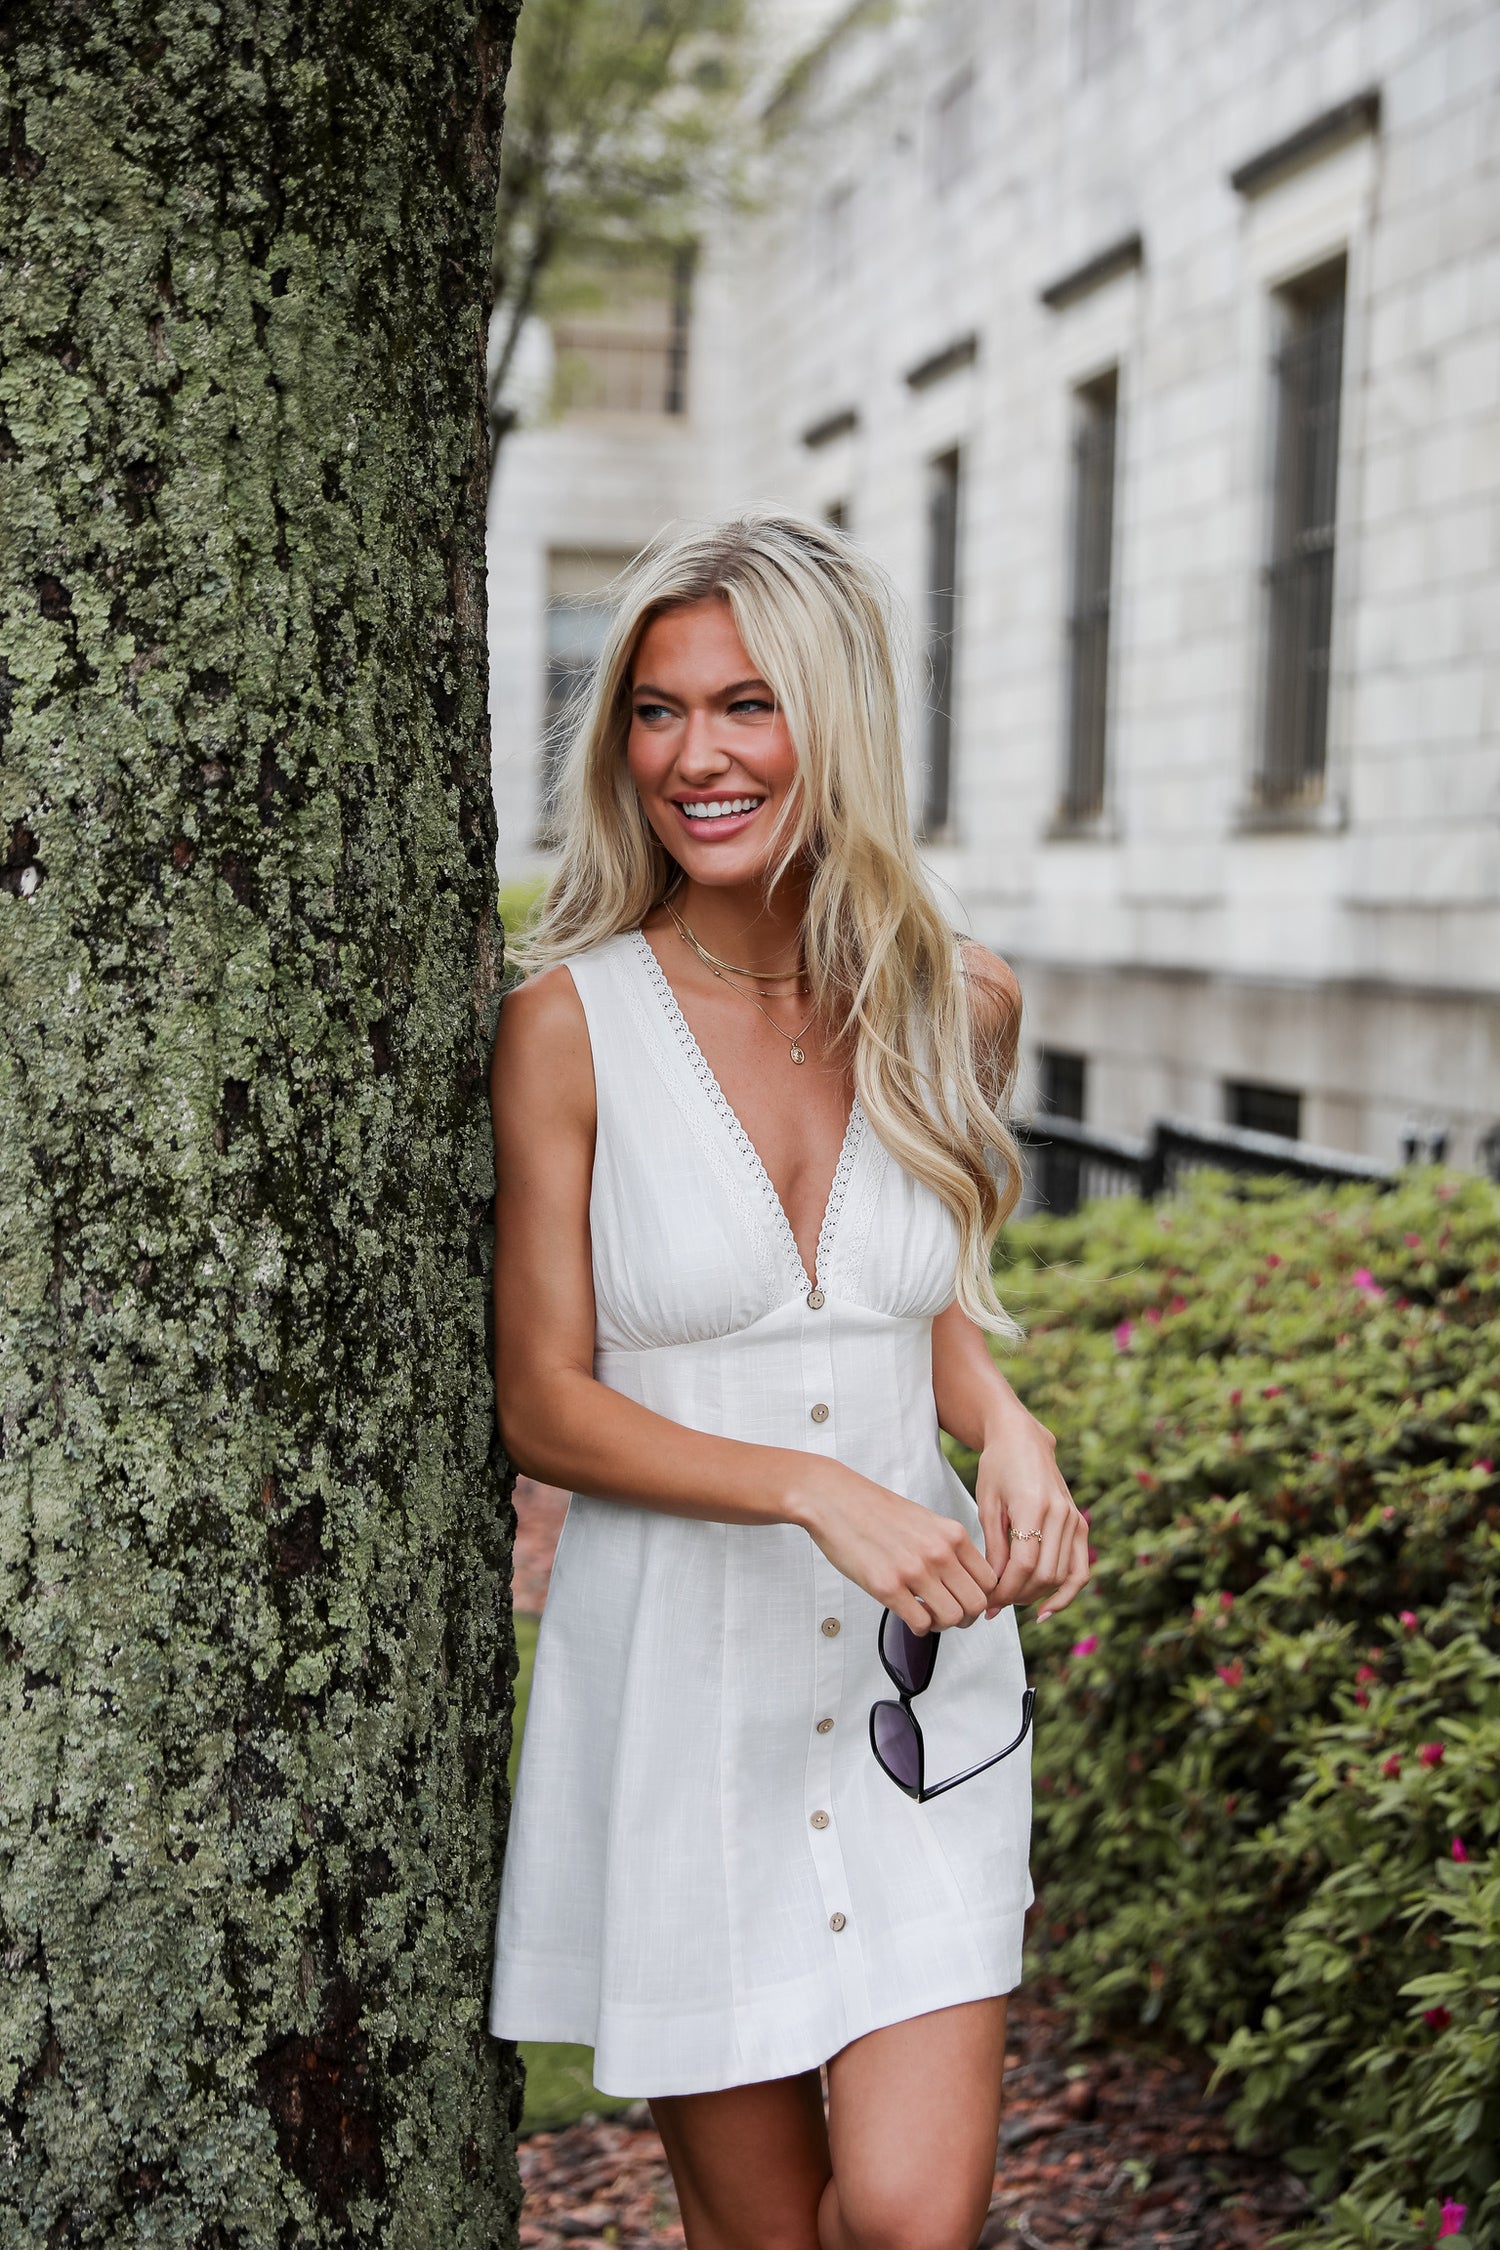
[{"x": 719, "y": 1101}]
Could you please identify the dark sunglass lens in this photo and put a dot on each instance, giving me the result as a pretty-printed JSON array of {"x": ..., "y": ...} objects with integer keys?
[
  {"x": 911, "y": 1654},
  {"x": 896, "y": 1744}
]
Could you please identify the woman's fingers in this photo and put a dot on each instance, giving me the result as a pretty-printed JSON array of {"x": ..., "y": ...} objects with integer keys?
[{"x": 1078, "y": 1572}]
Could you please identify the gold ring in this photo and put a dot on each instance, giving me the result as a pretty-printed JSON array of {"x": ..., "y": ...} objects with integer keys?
[{"x": 1026, "y": 1535}]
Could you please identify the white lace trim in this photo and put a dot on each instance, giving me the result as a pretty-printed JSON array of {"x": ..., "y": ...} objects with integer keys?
[{"x": 775, "y": 1211}]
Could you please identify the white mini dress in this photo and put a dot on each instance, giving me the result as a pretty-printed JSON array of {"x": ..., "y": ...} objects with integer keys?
[{"x": 709, "y": 1880}]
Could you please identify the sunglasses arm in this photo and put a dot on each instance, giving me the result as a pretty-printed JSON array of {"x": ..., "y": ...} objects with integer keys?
[{"x": 1028, "y": 1703}]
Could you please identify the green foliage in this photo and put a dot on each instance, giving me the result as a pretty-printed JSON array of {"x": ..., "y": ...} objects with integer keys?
[
  {"x": 620, "y": 123},
  {"x": 1268, "y": 1745}
]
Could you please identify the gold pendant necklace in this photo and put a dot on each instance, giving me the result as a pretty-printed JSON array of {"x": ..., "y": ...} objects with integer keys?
[{"x": 718, "y": 969}]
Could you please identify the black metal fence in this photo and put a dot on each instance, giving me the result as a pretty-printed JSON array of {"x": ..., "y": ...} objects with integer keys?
[{"x": 1068, "y": 1163}]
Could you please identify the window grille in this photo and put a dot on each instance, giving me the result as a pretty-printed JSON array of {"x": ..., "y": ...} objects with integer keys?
[
  {"x": 1089, "y": 605},
  {"x": 578, "y": 618},
  {"x": 1308, "y": 373},
  {"x": 1263, "y": 1109},
  {"x": 942, "y": 603},
  {"x": 629, "y": 354}
]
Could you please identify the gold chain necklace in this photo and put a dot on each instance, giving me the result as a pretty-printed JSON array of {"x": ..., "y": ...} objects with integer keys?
[
  {"x": 718, "y": 969},
  {"x": 732, "y": 968}
]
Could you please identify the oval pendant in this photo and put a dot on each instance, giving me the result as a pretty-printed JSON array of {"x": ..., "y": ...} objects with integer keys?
[{"x": 798, "y": 1055}]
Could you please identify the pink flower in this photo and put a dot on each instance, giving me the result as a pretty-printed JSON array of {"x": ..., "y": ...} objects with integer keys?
[
  {"x": 1153, "y": 1314},
  {"x": 1436, "y": 2019},
  {"x": 1086, "y": 1646},
  {"x": 1235, "y": 1397},
  {"x": 1459, "y": 1849},
  {"x": 1365, "y": 1281},
  {"x": 1178, "y": 1304},
  {"x": 1452, "y": 2219},
  {"x": 1231, "y": 1674},
  {"x": 1272, "y": 1259},
  {"x": 1367, "y": 1672},
  {"x": 1431, "y": 1754},
  {"x": 1273, "y": 1390},
  {"x": 1388, "y": 1515},
  {"x": 1362, "y": 1698},
  {"x": 1409, "y": 1620},
  {"x": 1412, "y": 1241},
  {"x": 1226, "y": 1599},
  {"x": 1124, "y": 1330},
  {"x": 1391, "y": 1767},
  {"x": 1484, "y": 1467}
]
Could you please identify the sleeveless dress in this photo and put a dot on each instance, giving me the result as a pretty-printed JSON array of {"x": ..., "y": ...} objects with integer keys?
[{"x": 708, "y": 1879}]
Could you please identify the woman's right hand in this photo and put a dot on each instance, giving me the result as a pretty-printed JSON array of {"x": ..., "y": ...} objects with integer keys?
[{"x": 921, "y": 1565}]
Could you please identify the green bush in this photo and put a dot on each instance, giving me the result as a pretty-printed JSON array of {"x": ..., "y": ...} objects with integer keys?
[{"x": 1268, "y": 1746}]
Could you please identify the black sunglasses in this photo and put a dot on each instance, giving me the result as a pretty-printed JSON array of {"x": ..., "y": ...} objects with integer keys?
[{"x": 895, "y": 1734}]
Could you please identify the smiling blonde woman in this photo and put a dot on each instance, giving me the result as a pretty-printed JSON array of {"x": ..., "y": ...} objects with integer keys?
[{"x": 773, "y": 1809}]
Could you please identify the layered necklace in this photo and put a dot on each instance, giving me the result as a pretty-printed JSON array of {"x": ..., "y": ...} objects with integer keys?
[{"x": 727, "y": 971}]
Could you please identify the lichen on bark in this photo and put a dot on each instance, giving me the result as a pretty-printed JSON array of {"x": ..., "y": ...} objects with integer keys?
[{"x": 254, "y": 1535}]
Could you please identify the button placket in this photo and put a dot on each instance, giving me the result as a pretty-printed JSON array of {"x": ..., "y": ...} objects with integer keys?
[{"x": 820, "y": 1808}]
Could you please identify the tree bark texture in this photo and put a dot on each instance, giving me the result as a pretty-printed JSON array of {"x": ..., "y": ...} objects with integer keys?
[{"x": 254, "y": 1536}]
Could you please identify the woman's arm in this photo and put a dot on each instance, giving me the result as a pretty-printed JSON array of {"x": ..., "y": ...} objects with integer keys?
[
  {"x": 562, "y": 1425},
  {"x": 1019, "y": 1488}
]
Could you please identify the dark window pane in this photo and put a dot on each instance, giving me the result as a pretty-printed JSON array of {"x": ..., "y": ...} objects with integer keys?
[
  {"x": 942, "y": 598},
  {"x": 1264, "y": 1109},
  {"x": 1057, "y": 1171},
  {"x": 1093, "y": 503},
  {"x": 1309, "y": 373},
  {"x": 1064, "y": 1082}
]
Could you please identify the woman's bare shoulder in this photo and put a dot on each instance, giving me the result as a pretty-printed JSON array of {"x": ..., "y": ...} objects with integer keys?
[
  {"x": 994, "y": 992},
  {"x": 543, "y": 1065}
]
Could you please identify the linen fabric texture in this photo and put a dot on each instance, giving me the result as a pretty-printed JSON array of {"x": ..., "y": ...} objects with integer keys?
[{"x": 673, "y": 1896}]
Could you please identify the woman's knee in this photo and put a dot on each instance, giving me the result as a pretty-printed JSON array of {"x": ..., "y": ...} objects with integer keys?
[{"x": 911, "y": 2217}]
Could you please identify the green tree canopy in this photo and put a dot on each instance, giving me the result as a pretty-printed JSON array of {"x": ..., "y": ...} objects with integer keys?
[{"x": 620, "y": 128}]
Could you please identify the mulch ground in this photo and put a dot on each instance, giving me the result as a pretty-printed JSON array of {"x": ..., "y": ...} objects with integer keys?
[{"x": 1101, "y": 2149}]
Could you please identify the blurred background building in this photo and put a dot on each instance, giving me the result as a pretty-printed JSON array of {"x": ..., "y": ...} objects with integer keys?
[{"x": 1154, "y": 348}]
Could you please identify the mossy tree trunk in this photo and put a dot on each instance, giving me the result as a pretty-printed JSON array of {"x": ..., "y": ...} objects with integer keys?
[{"x": 254, "y": 1634}]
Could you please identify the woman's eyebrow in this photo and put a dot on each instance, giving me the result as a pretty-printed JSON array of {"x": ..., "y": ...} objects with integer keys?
[{"x": 721, "y": 695}]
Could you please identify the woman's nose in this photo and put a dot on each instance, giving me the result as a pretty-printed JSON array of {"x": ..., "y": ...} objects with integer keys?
[{"x": 702, "y": 754}]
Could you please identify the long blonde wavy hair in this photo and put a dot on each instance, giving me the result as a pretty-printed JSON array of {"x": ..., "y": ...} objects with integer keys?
[{"x": 816, "y": 617}]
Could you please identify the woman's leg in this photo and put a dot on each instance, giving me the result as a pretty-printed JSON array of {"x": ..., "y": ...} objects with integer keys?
[
  {"x": 913, "y": 2119},
  {"x": 749, "y": 2164}
]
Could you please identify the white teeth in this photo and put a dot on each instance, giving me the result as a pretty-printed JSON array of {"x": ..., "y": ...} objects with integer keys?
[{"x": 720, "y": 808}]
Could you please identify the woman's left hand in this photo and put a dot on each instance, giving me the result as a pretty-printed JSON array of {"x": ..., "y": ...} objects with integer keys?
[{"x": 1034, "y": 1534}]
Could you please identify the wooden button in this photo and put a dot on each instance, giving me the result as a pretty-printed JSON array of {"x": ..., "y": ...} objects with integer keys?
[
  {"x": 825, "y": 1726},
  {"x": 820, "y": 1820},
  {"x": 820, "y": 1413},
  {"x": 830, "y": 1626},
  {"x": 815, "y": 1300},
  {"x": 835, "y": 1921}
]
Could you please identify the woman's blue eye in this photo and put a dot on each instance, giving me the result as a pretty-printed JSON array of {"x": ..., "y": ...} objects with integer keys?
[
  {"x": 651, "y": 711},
  {"x": 751, "y": 703}
]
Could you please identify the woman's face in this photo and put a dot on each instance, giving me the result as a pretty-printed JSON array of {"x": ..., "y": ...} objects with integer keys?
[{"x": 709, "y": 750}]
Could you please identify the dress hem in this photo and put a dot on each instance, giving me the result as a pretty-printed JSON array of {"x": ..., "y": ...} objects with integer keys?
[{"x": 644, "y": 2084}]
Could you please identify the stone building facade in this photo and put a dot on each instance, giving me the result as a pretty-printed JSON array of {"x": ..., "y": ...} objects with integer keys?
[{"x": 1154, "y": 347}]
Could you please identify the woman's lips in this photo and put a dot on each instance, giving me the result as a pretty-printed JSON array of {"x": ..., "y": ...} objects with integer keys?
[{"x": 714, "y": 830}]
